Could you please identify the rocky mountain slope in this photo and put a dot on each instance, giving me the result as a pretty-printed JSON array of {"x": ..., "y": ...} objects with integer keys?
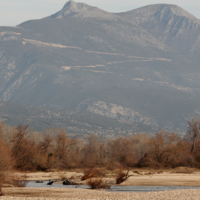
[
  {"x": 77, "y": 123},
  {"x": 105, "y": 63},
  {"x": 170, "y": 24}
]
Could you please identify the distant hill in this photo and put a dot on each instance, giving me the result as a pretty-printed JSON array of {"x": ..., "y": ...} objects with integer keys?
[
  {"x": 77, "y": 123},
  {"x": 133, "y": 67}
]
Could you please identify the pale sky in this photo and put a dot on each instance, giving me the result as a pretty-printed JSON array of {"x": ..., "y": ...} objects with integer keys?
[{"x": 14, "y": 12}]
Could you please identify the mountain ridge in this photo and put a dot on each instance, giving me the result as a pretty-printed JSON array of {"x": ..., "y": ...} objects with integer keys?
[
  {"x": 170, "y": 24},
  {"x": 155, "y": 8},
  {"x": 83, "y": 52}
]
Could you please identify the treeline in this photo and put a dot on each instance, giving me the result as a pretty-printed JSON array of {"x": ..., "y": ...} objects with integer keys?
[{"x": 31, "y": 151}]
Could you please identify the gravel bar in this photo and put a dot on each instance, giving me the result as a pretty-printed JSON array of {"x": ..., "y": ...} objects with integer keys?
[{"x": 83, "y": 194}]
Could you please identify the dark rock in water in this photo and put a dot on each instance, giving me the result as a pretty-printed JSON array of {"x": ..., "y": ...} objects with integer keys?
[
  {"x": 66, "y": 182},
  {"x": 50, "y": 182},
  {"x": 39, "y": 181}
]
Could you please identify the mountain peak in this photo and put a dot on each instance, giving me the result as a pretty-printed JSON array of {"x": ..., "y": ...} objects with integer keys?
[
  {"x": 163, "y": 10},
  {"x": 82, "y": 10},
  {"x": 72, "y": 5},
  {"x": 69, "y": 3},
  {"x": 173, "y": 8},
  {"x": 71, "y": 8}
]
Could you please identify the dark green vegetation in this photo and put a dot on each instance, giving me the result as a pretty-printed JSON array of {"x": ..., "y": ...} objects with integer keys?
[{"x": 103, "y": 63}]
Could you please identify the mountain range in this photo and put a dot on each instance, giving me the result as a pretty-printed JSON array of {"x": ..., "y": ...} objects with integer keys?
[{"x": 137, "y": 67}]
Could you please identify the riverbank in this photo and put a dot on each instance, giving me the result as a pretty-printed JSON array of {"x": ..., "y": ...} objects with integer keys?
[
  {"x": 164, "y": 179},
  {"x": 139, "y": 177}
]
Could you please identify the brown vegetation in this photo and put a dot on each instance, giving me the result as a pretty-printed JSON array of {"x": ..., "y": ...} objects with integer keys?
[
  {"x": 98, "y": 183},
  {"x": 121, "y": 176},
  {"x": 31, "y": 151},
  {"x": 6, "y": 164},
  {"x": 93, "y": 173},
  {"x": 62, "y": 177},
  {"x": 19, "y": 180},
  {"x": 5, "y": 161},
  {"x": 193, "y": 133}
]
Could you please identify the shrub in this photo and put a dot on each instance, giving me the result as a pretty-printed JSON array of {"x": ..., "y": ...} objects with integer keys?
[
  {"x": 23, "y": 149},
  {"x": 93, "y": 173},
  {"x": 121, "y": 176},
  {"x": 98, "y": 183}
]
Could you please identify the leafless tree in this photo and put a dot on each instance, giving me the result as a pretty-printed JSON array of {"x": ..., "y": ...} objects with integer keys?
[
  {"x": 6, "y": 163},
  {"x": 193, "y": 132}
]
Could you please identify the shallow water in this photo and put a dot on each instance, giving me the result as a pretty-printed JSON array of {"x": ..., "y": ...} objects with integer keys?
[
  {"x": 147, "y": 188},
  {"x": 32, "y": 184},
  {"x": 113, "y": 188}
]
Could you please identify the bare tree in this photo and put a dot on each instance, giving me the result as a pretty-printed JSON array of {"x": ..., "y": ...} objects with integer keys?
[
  {"x": 45, "y": 144},
  {"x": 19, "y": 137},
  {"x": 166, "y": 148},
  {"x": 122, "y": 151},
  {"x": 6, "y": 163},
  {"x": 23, "y": 148},
  {"x": 193, "y": 132}
]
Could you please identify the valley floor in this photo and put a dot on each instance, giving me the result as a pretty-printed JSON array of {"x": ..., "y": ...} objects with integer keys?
[{"x": 176, "y": 177}]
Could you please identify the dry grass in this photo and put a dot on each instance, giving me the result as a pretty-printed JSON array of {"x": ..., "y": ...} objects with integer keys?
[
  {"x": 183, "y": 170},
  {"x": 136, "y": 172},
  {"x": 62, "y": 176}
]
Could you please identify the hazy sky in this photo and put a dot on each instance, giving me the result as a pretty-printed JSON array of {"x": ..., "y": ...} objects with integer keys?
[{"x": 14, "y": 12}]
